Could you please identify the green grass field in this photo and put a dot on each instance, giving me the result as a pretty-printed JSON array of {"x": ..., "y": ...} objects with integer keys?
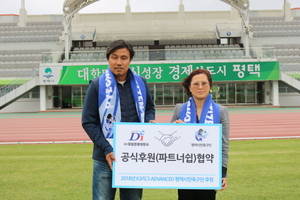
[{"x": 258, "y": 170}]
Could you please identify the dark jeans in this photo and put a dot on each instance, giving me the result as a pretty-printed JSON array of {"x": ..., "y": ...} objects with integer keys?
[
  {"x": 196, "y": 194},
  {"x": 102, "y": 185}
]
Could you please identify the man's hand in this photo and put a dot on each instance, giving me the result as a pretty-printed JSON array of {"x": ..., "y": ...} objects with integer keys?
[{"x": 110, "y": 158}]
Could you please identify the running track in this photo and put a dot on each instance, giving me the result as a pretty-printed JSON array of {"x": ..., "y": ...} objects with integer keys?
[{"x": 65, "y": 126}]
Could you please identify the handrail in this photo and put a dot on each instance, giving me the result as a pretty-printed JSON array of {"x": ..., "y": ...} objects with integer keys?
[
  {"x": 172, "y": 53},
  {"x": 14, "y": 84}
]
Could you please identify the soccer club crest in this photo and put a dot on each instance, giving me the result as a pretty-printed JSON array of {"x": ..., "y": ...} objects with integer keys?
[
  {"x": 201, "y": 134},
  {"x": 109, "y": 124}
]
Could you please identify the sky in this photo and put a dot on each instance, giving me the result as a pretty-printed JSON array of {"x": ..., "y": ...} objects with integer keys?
[{"x": 40, "y": 7}]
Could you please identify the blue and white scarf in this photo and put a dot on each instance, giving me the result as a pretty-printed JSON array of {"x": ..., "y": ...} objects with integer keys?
[
  {"x": 109, "y": 100},
  {"x": 210, "y": 112}
]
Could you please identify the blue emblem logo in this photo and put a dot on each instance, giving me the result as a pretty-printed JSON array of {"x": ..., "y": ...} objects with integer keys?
[
  {"x": 201, "y": 134},
  {"x": 48, "y": 73}
]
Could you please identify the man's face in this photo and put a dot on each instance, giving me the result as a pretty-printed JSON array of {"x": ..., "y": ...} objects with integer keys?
[{"x": 119, "y": 61}]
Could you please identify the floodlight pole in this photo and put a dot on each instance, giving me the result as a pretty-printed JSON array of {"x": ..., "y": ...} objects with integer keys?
[
  {"x": 246, "y": 31},
  {"x": 67, "y": 32}
]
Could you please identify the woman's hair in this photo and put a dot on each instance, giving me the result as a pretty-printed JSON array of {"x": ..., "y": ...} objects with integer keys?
[
  {"x": 187, "y": 81},
  {"x": 119, "y": 44}
]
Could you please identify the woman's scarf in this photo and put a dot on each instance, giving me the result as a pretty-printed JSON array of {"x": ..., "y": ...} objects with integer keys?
[
  {"x": 109, "y": 100},
  {"x": 210, "y": 112}
]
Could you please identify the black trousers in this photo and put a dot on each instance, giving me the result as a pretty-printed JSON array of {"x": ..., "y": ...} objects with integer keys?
[{"x": 196, "y": 194}]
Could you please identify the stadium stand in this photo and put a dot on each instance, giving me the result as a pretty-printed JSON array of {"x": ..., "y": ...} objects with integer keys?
[
  {"x": 21, "y": 51},
  {"x": 26, "y": 60},
  {"x": 32, "y": 32},
  {"x": 278, "y": 28},
  {"x": 275, "y": 27},
  {"x": 177, "y": 51},
  {"x": 289, "y": 57}
]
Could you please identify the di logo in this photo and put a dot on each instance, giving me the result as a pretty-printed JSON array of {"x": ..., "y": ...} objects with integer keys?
[{"x": 137, "y": 135}]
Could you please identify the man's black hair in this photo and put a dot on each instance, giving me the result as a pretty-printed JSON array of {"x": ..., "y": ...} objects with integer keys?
[{"x": 119, "y": 44}]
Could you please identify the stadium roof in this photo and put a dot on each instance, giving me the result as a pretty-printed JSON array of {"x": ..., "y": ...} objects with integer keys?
[
  {"x": 242, "y": 6},
  {"x": 71, "y": 7},
  {"x": 238, "y": 4}
]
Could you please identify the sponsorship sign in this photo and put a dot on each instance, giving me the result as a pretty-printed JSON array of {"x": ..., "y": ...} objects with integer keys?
[
  {"x": 164, "y": 72},
  {"x": 169, "y": 155}
]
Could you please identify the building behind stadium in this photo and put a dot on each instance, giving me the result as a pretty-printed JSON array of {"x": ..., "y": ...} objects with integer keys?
[{"x": 47, "y": 61}]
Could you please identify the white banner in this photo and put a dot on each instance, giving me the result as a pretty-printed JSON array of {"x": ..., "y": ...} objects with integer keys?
[{"x": 169, "y": 155}]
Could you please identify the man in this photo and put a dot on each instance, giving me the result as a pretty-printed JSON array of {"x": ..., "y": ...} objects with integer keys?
[{"x": 118, "y": 95}]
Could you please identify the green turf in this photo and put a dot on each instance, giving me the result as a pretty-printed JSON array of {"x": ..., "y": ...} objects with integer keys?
[
  {"x": 294, "y": 75},
  {"x": 12, "y": 81},
  {"x": 258, "y": 169},
  {"x": 263, "y": 169}
]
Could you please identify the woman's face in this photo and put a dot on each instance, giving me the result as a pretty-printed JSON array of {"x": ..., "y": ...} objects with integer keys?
[{"x": 199, "y": 87}]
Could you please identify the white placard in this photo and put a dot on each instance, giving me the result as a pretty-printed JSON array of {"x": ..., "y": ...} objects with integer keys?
[{"x": 169, "y": 155}]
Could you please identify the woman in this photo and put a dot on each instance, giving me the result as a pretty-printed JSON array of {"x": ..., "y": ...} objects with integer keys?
[{"x": 200, "y": 108}]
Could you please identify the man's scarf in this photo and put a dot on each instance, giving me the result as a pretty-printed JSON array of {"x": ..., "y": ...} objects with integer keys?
[
  {"x": 210, "y": 112},
  {"x": 109, "y": 100}
]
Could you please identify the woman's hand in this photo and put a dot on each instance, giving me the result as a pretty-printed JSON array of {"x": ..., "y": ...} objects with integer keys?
[
  {"x": 179, "y": 121},
  {"x": 224, "y": 184}
]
